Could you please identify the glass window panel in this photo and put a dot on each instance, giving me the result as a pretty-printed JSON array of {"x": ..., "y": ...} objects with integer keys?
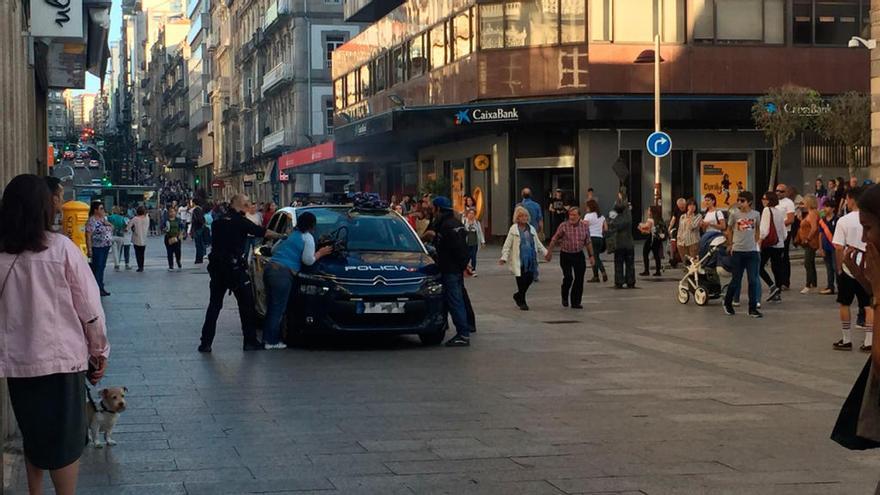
[
  {"x": 531, "y": 23},
  {"x": 573, "y": 20},
  {"x": 673, "y": 21},
  {"x": 633, "y": 20},
  {"x": 351, "y": 88},
  {"x": 774, "y": 21},
  {"x": 366, "y": 83},
  {"x": 380, "y": 72},
  {"x": 398, "y": 66},
  {"x": 704, "y": 19},
  {"x": 739, "y": 20},
  {"x": 462, "y": 31},
  {"x": 417, "y": 61},
  {"x": 836, "y": 21},
  {"x": 438, "y": 46},
  {"x": 491, "y": 26},
  {"x": 599, "y": 13},
  {"x": 802, "y": 23}
]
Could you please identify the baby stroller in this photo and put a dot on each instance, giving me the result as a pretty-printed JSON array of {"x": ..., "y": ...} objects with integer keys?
[{"x": 703, "y": 278}]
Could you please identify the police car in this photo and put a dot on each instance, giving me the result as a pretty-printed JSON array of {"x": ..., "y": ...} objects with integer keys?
[{"x": 380, "y": 278}]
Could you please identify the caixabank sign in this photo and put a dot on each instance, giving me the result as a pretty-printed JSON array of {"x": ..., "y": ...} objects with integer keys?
[{"x": 486, "y": 115}]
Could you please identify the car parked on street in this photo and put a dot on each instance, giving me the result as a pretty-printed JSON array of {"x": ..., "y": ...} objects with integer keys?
[
  {"x": 79, "y": 163},
  {"x": 380, "y": 278}
]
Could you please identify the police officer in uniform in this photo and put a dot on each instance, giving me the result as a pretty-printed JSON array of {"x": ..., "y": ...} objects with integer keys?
[{"x": 227, "y": 266}]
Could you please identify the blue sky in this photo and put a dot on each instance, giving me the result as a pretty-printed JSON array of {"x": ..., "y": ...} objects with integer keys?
[{"x": 93, "y": 84}]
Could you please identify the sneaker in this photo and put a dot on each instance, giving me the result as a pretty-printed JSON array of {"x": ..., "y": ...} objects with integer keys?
[
  {"x": 458, "y": 341},
  {"x": 840, "y": 346},
  {"x": 728, "y": 310},
  {"x": 253, "y": 346},
  {"x": 204, "y": 348},
  {"x": 777, "y": 298},
  {"x": 116, "y": 268},
  {"x": 576, "y": 306},
  {"x": 735, "y": 304},
  {"x": 104, "y": 293},
  {"x": 279, "y": 345},
  {"x": 861, "y": 326},
  {"x": 170, "y": 269},
  {"x": 474, "y": 274},
  {"x": 754, "y": 313},
  {"x": 524, "y": 306},
  {"x": 865, "y": 348},
  {"x": 759, "y": 305},
  {"x": 805, "y": 290},
  {"x": 565, "y": 303},
  {"x": 826, "y": 292},
  {"x": 127, "y": 267},
  {"x": 604, "y": 277},
  {"x": 140, "y": 270},
  {"x": 774, "y": 292}
]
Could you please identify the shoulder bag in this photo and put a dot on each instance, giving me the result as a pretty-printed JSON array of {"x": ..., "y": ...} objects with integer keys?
[{"x": 772, "y": 237}]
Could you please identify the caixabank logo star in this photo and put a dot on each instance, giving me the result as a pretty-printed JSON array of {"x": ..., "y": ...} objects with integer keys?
[{"x": 463, "y": 117}]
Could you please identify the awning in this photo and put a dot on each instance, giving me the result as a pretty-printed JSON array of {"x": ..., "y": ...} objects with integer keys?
[{"x": 317, "y": 153}]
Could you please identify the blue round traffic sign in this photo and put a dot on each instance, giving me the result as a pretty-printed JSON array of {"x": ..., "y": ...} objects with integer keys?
[{"x": 659, "y": 144}]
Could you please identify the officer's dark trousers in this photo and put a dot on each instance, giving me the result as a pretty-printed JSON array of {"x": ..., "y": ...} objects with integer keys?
[{"x": 244, "y": 296}]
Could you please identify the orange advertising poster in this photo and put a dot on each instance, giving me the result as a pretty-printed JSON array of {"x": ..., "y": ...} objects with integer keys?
[
  {"x": 725, "y": 180},
  {"x": 50, "y": 156},
  {"x": 458, "y": 189}
]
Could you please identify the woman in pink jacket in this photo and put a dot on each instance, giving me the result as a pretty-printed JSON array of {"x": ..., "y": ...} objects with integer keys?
[{"x": 52, "y": 325}]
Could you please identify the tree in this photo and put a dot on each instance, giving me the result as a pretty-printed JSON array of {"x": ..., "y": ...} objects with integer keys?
[
  {"x": 437, "y": 187},
  {"x": 848, "y": 122},
  {"x": 781, "y": 114}
]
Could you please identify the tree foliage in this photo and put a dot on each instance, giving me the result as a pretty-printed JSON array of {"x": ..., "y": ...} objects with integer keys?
[
  {"x": 782, "y": 113},
  {"x": 848, "y": 122}
]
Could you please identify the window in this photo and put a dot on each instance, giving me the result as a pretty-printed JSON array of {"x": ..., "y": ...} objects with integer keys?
[
  {"x": 573, "y": 73},
  {"x": 380, "y": 72},
  {"x": 366, "y": 86},
  {"x": 572, "y": 15},
  {"x": 398, "y": 66},
  {"x": 328, "y": 117},
  {"x": 417, "y": 61},
  {"x": 531, "y": 23},
  {"x": 635, "y": 21},
  {"x": 339, "y": 93},
  {"x": 333, "y": 42},
  {"x": 351, "y": 89},
  {"x": 829, "y": 22},
  {"x": 438, "y": 46},
  {"x": 492, "y": 26},
  {"x": 461, "y": 29},
  {"x": 730, "y": 21}
]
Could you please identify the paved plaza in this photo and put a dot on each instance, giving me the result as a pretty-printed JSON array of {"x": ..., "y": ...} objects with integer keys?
[{"x": 634, "y": 394}]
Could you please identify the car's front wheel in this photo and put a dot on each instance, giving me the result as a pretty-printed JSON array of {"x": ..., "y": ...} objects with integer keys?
[{"x": 433, "y": 338}]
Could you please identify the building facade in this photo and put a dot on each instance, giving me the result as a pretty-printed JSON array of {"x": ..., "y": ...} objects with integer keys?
[
  {"x": 199, "y": 68},
  {"x": 490, "y": 97},
  {"x": 57, "y": 130}
]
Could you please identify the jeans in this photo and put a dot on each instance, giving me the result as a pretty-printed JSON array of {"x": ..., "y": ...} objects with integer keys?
[
  {"x": 784, "y": 279},
  {"x": 775, "y": 257},
  {"x": 624, "y": 267},
  {"x": 472, "y": 254},
  {"x": 750, "y": 262},
  {"x": 244, "y": 296},
  {"x": 829, "y": 269},
  {"x": 523, "y": 282},
  {"x": 173, "y": 252},
  {"x": 453, "y": 292},
  {"x": 117, "y": 250},
  {"x": 279, "y": 281},
  {"x": 99, "y": 262},
  {"x": 198, "y": 236},
  {"x": 654, "y": 246},
  {"x": 810, "y": 267},
  {"x": 574, "y": 265},
  {"x": 598, "y": 246},
  {"x": 139, "y": 256}
]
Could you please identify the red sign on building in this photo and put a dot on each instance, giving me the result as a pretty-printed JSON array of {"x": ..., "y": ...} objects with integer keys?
[
  {"x": 217, "y": 184},
  {"x": 321, "y": 152}
]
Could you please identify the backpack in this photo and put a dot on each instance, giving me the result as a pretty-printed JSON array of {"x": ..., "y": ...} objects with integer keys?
[{"x": 772, "y": 237}]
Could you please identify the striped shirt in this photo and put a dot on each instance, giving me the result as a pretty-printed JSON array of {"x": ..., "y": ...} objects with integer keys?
[{"x": 572, "y": 237}]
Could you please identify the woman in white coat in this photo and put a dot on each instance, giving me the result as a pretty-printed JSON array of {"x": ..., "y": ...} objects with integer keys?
[{"x": 521, "y": 252}]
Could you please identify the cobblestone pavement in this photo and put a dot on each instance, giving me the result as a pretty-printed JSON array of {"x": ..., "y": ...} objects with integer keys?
[{"x": 635, "y": 394}]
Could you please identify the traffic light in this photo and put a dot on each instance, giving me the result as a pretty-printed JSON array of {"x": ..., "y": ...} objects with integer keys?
[
  {"x": 198, "y": 181},
  {"x": 105, "y": 182}
]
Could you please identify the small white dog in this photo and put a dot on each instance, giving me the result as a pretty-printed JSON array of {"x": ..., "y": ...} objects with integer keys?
[{"x": 103, "y": 415}]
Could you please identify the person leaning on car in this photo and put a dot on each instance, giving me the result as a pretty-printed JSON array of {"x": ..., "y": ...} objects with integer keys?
[{"x": 227, "y": 267}]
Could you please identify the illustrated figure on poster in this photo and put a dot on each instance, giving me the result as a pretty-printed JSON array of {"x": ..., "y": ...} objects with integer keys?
[
  {"x": 740, "y": 187},
  {"x": 725, "y": 189}
]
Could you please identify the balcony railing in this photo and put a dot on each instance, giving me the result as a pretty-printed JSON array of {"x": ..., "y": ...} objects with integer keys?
[
  {"x": 277, "y": 140},
  {"x": 275, "y": 78},
  {"x": 277, "y": 11}
]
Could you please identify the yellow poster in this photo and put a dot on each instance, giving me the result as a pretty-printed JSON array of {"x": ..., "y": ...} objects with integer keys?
[
  {"x": 725, "y": 180},
  {"x": 458, "y": 189}
]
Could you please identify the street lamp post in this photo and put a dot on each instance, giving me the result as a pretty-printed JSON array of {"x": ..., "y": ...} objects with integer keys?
[{"x": 653, "y": 57}]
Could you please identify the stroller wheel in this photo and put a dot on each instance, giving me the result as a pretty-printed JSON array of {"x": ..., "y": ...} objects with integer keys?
[
  {"x": 683, "y": 295},
  {"x": 701, "y": 297}
]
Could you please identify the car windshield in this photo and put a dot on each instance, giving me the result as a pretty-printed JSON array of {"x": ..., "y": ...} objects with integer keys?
[{"x": 367, "y": 230}]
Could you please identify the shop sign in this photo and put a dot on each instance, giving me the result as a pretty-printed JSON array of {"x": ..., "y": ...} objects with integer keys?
[
  {"x": 318, "y": 153},
  {"x": 481, "y": 162},
  {"x": 483, "y": 116},
  {"x": 725, "y": 179},
  {"x": 217, "y": 184},
  {"x": 56, "y": 18},
  {"x": 283, "y": 177}
]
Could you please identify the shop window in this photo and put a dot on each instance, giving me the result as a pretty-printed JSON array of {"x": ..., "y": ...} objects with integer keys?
[
  {"x": 417, "y": 61},
  {"x": 829, "y": 22},
  {"x": 531, "y": 23},
  {"x": 351, "y": 89},
  {"x": 492, "y": 26},
  {"x": 380, "y": 72},
  {"x": 635, "y": 21},
  {"x": 731, "y": 21},
  {"x": 398, "y": 66},
  {"x": 572, "y": 15},
  {"x": 339, "y": 93},
  {"x": 366, "y": 86},
  {"x": 438, "y": 46},
  {"x": 461, "y": 27}
]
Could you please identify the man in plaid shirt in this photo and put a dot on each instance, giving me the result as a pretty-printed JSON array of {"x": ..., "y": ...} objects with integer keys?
[{"x": 572, "y": 236}]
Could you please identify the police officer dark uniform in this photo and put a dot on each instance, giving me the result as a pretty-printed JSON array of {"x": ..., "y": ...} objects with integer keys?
[{"x": 227, "y": 266}]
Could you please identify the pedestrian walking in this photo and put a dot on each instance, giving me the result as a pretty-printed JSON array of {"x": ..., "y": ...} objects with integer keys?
[
  {"x": 536, "y": 213},
  {"x": 675, "y": 256},
  {"x": 119, "y": 223},
  {"x": 520, "y": 252},
  {"x": 689, "y": 231},
  {"x": 173, "y": 238},
  {"x": 469, "y": 204},
  {"x": 808, "y": 238},
  {"x": 227, "y": 267},
  {"x": 279, "y": 277},
  {"x": 99, "y": 240},
  {"x": 125, "y": 253},
  {"x": 558, "y": 210},
  {"x": 198, "y": 230},
  {"x": 620, "y": 230},
  {"x": 53, "y": 326},
  {"x": 849, "y": 242},
  {"x": 787, "y": 206},
  {"x": 713, "y": 218},
  {"x": 183, "y": 216},
  {"x": 447, "y": 234},
  {"x": 655, "y": 229},
  {"x": 744, "y": 234},
  {"x": 827, "y": 224},
  {"x": 474, "y": 237},
  {"x": 596, "y": 222},
  {"x": 772, "y": 244},
  {"x": 139, "y": 227},
  {"x": 572, "y": 236}
]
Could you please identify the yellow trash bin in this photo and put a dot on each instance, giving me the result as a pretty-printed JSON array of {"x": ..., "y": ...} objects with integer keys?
[{"x": 74, "y": 216}]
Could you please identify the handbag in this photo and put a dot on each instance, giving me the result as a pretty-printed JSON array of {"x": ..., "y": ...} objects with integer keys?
[
  {"x": 858, "y": 423},
  {"x": 772, "y": 237}
]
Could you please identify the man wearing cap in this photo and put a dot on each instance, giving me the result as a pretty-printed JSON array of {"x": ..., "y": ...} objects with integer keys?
[{"x": 449, "y": 239}]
